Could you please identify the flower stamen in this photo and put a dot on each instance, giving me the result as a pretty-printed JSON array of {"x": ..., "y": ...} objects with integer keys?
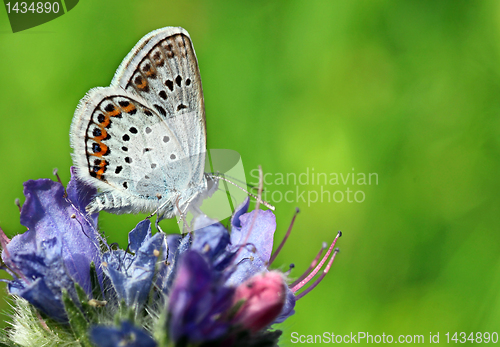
[
  {"x": 320, "y": 278},
  {"x": 55, "y": 173},
  {"x": 318, "y": 267},
  {"x": 313, "y": 264},
  {"x": 18, "y": 204},
  {"x": 275, "y": 254}
]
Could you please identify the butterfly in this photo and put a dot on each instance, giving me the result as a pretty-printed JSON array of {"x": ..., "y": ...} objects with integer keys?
[{"x": 142, "y": 140}]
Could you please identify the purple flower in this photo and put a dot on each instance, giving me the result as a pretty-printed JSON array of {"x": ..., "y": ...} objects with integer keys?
[
  {"x": 213, "y": 241},
  {"x": 42, "y": 276},
  {"x": 132, "y": 274},
  {"x": 208, "y": 287},
  {"x": 175, "y": 246},
  {"x": 255, "y": 258},
  {"x": 202, "y": 305},
  {"x": 58, "y": 248},
  {"x": 198, "y": 301},
  {"x": 255, "y": 237}
]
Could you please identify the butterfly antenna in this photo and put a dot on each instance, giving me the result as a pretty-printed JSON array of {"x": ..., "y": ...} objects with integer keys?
[
  {"x": 259, "y": 200},
  {"x": 232, "y": 178},
  {"x": 252, "y": 186}
]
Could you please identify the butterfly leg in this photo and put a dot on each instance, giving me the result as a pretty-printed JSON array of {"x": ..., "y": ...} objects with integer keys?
[
  {"x": 158, "y": 209},
  {"x": 182, "y": 214}
]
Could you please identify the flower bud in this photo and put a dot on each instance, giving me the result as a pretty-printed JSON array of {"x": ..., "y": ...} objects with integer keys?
[{"x": 261, "y": 298}]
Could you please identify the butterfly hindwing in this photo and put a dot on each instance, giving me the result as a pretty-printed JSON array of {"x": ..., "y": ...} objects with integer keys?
[{"x": 128, "y": 147}]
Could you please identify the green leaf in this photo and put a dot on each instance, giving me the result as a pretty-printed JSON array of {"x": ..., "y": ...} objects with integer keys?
[{"x": 77, "y": 320}]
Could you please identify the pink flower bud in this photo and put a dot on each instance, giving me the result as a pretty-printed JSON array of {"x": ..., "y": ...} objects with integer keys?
[{"x": 261, "y": 298}]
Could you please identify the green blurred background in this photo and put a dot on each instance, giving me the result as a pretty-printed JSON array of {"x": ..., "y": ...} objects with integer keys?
[{"x": 409, "y": 90}]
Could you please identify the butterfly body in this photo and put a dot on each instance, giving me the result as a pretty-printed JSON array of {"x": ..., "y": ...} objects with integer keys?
[{"x": 142, "y": 140}]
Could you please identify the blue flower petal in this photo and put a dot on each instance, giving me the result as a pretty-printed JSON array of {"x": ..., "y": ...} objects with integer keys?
[
  {"x": 40, "y": 296},
  {"x": 211, "y": 239},
  {"x": 238, "y": 212},
  {"x": 81, "y": 194},
  {"x": 141, "y": 233},
  {"x": 132, "y": 274},
  {"x": 288, "y": 308},
  {"x": 258, "y": 245},
  {"x": 42, "y": 277},
  {"x": 125, "y": 336},
  {"x": 197, "y": 301},
  {"x": 177, "y": 245},
  {"x": 58, "y": 247},
  {"x": 47, "y": 213}
]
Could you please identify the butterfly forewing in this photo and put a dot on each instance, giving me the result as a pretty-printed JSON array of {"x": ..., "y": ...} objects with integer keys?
[{"x": 167, "y": 76}]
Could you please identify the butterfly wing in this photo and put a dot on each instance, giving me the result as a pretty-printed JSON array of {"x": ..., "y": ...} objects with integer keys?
[
  {"x": 130, "y": 153},
  {"x": 142, "y": 140},
  {"x": 163, "y": 69}
]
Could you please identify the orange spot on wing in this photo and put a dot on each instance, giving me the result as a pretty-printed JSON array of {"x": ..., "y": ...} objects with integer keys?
[
  {"x": 103, "y": 135},
  {"x": 102, "y": 169},
  {"x": 128, "y": 108},
  {"x": 114, "y": 113},
  {"x": 104, "y": 150},
  {"x": 105, "y": 122},
  {"x": 143, "y": 85}
]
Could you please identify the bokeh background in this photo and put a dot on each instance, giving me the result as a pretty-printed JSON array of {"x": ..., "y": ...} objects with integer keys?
[{"x": 409, "y": 90}]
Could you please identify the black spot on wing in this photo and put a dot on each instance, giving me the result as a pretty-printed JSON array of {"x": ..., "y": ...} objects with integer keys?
[
  {"x": 170, "y": 85},
  {"x": 161, "y": 110}
]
